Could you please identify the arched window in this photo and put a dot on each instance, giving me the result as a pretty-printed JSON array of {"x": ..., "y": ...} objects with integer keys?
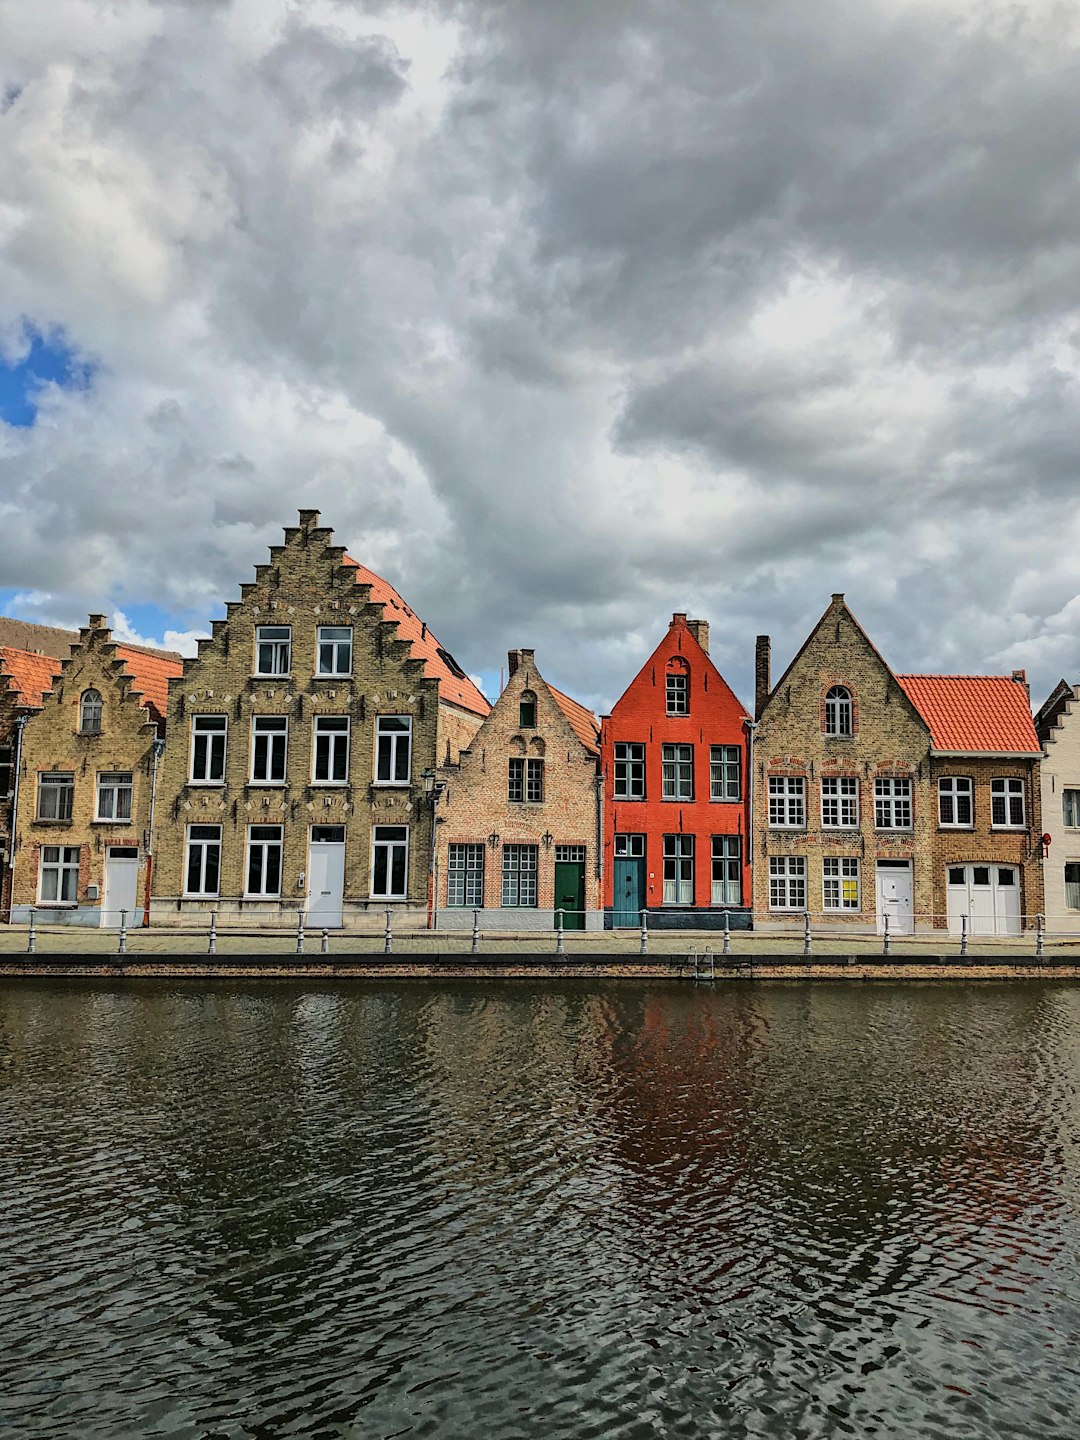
[
  {"x": 838, "y": 711},
  {"x": 527, "y": 710},
  {"x": 678, "y": 687},
  {"x": 90, "y": 713}
]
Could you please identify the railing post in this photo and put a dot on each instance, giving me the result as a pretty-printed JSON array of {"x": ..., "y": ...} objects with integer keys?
[
  {"x": 121, "y": 948},
  {"x": 325, "y": 945},
  {"x": 211, "y": 948},
  {"x": 31, "y": 936},
  {"x": 1040, "y": 936},
  {"x": 963, "y": 935},
  {"x": 727, "y": 932},
  {"x": 388, "y": 938},
  {"x": 885, "y": 946},
  {"x": 300, "y": 931},
  {"x": 476, "y": 932},
  {"x": 560, "y": 948},
  {"x": 806, "y": 934},
  {"x": 644, "y": 933}
]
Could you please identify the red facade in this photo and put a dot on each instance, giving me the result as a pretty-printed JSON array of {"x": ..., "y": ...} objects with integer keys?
[{"x": 674, "y": 752}]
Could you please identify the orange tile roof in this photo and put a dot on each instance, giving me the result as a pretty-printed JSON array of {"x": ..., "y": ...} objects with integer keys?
[
  {"x": 455, "y": 687},
  {"x": 151, "y": 674},
  {"x": 583, "y": 722},
  {"x": 31, "y": 673},
  {"x": 974, "y": 714}
]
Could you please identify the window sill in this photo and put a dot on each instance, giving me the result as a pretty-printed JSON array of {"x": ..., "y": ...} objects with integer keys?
[
  {"x": 55, "y": 824},
  {"x": 278, "y": 896},
  {"x": 328, "y": 675},
  {"x": 403, "y": 899},
  {"x": 787, "y": 829},
  {"x": 116, "y": 824},
  {"x": 825, "y": 735},
  {"x": 1007, "y": 829},
  {"x": 267, "y": 784},
  {"x": 390, "y": 784},
  {"x": 676, "y": 799},
  {"x": 206, "y": 784},
  {"x": 894, "y": 830},
  {"x": 187, "y": 896},
  {"x": 962, "y": 829},
  {"x": 278, "y": 675},
  {"x": 626, "y": 799},
  {"x": 329, "y": 784},
  {"x": 56, "y": 905},
  {"x": 852, "y": 829},
  {"x": 725, "y": 800}
]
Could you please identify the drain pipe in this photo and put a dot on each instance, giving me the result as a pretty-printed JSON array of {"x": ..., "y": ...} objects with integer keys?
[
  {"x": 20, "y": 722},
  {"x": 751, "y": 731},
  {"x": 159, "y": 746}
]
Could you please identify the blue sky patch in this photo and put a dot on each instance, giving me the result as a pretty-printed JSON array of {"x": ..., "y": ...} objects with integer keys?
[{"x": 43, "y": 360}]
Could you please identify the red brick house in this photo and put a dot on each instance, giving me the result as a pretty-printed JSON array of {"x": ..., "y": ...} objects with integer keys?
[{"x": 676, "y": 782}]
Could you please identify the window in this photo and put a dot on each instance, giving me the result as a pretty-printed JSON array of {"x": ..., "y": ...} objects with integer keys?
[
  {"x": 1070, "y": 806},
  {"x": 840, "y": 883},
  {"x": 724, "y": 772},
  {"x": 1007, "y": 804},
  {"x": 954, "y": 799},
  {"x": 334, "y": 650},
  {"x": 59, "y": 874},
  {"x": 273, "y": 649},
  {"x": 1072, "y": 886},
  {"x": 208, "y": 749},
  {"x": 526, "y": 780},
  {"x": 114, "y": 795},
  {"x": 787, "y": 882},
  {"x": 269, "y": 739},
  {"x": 840, "y": 802},
  {"x": 678, "y": 772},
  {"x": 5, "y": 771},
  {"x": 787, "y": 801},
  {"x": 892, "y": 804},
  {"x": 726, "y": 870},
  {"x": 328, "y": 834},
  {"x": 629, "y": 771},
  {"x": 390, "y": 862},
  {"x": 264, "y": 860},
  {"x": 331, "y": 750},
  {"x": 519, "y": 875},
  {"x": 90, "y": 713},
  {"x": 527, "y": 710},
  {"x": 838, "y": 711},
  {"x": 393, "y": 744},
  {"x": 630, "y": 847},
  {"x": 570, "y": 854},
  {"x": 56, "y": 791},
  {"x": 465, "y": 876},
  {"x": 678, "y": 688},
  {"x": 678, "y": 869},
  {"x": 203, "y": 869}
]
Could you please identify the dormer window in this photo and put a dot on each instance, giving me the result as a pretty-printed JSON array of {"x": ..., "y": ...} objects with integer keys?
[
  {"x": 678, "y": 688},
  {"x": 90, "y": 713},
  {"x": 838, "y": 711},
  {"x": 527, "y": 710}
]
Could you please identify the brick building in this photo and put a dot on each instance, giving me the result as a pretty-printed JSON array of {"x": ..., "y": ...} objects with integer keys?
[
  {"x": 842, "y": 808},
  {"x": 676, "y": 804},
  {"x": 303, "y": 744},
  {"x": 519, "y": 814},
  {"x": 986, "y": 855},
  {"x": 86, "y": 781},
  {"x": 1057, "y": 725}
]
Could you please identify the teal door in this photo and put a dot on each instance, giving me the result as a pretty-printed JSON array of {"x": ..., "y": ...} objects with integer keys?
[
  {"x": 629, "y": 893},
  {"x": 570, "y": 894}
]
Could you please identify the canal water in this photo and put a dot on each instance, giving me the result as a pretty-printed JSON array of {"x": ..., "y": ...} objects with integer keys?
[{"x": 615, "y": 1210}]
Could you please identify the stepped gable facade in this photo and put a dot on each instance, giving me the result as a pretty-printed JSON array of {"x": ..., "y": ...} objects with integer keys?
[
  {"x": 1057, "y": 725},
  {"x": 304, "y": 739},
  {"x": 843, "y": 810},
  {"x": 85, "y": 780},
  {"x": 676, "y": 799},
  {"x": 518, "y": 830}
]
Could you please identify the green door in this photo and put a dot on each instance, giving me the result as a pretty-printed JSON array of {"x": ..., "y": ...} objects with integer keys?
[
  {"x": 570, "y": 894},
  {"x": 629, "y": 889}
]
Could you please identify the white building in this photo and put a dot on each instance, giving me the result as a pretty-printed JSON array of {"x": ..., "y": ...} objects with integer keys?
[{"x": 1058, "y": 727}]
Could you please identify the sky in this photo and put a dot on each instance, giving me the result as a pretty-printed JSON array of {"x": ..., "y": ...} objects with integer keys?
[{"x": 565, "y": 316}]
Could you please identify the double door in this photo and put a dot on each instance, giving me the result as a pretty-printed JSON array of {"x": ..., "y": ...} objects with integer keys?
[{"x": 988, "y": 895}]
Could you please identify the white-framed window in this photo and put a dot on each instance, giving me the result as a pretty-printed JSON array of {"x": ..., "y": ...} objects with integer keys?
[
  {"x": 1006, "y": 804},
  {"x": 58, "y": 882},
  {"x": 678, "y": 688},
  {"x": 840, "y": 802},
  {"x": 787, "y": 802},
  {"x": 840, "y": 883},
  {"x": 1072, "y": 885},
  {"x": 273, "y": 649},
  {"x": 208, "y": 735},
  {"x": 334, "y": 650},
  {"x": 519, "y": 866},
  {"x": 390, "y": 862},
  {"x": 269, "y": 746},
  {"x": 114, "y": 796},
  {"x": 56, "y": 793},
  {"x": 839, "y": 711},
  {"x": 330, "y": 761},
  {"x": 726, "y": 870},
  {"x": 677, "y": 769},
  {"x": 955, "y": 797},
  {"x": 892, "y": 804},
  {"x": 678, "y": 869},
  {"x": 724, "y": 778},
  {"x": 90, "y": 713},
  {"x": 629, "y": 770},
  {"x": 525, "y": 780},
  {"x": 202, "y": 870},
  {"x": 1070, "y": 807},
  {"x": 264, "y": 861},
  {"x": 393, "y": 749},
  {"x": 465, "y": 876},
  {"x": 787, "y": 882}
]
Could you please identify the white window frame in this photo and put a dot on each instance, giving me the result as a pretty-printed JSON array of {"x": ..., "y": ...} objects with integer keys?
[
  {"x": 679, "y": 869},
  {"x": 1070, "y": 807},
  {"x": 59, "y": 784},
  {"x": 270, "y": 726},
  {"x": 114, "y": 783},
  {"x": 1072, "y": 886},
  {"x": 1008, "y": 791},
  {"x": 337, "y": 731},
  {"x": 839, "y": 802},
  {"x": 465, "y": 875},
  {"x": 280, "y": 648},
  {"x": 91, "y": 707},
  {"x": 892, "y": 798},
  {"x": 204, "y": 844},
  {"x": 725, "y": 772},
  {"x": 953, "y": 790},
  {"x": 340, "y": 647},
  {"x": 837, "y": 871},
  {"x": 66, "y": 871},
  {"x": 787, "y": 882},
  {"x": 264, "y": 845},
  {"x": 677, "y": 689},
  {"x": 727, "y": 857},
  {"x": 677, "y": 772},
  {"x": 839, "y": 713},
  {"x": 629, "y": 781},
  {"x": 210, "y": 735},
  {"x": 389, "y": 845},
  {"x": 520, "y": 873},
  {"x": 392, "y": 734},
  {"x": 787, "y": 802}
]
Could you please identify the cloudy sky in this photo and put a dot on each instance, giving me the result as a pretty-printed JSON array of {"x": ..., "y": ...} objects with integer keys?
[{"x": 566, "y": 314}]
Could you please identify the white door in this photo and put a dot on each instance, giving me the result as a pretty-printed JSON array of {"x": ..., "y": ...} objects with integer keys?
[
  {"x": 989, "y": 895},
  {"x": 121, "y": 886},
  {"x": 1006, "y": 900},
  {"x": 895, "y": 897},
  {"x": 326, "y": 878}
]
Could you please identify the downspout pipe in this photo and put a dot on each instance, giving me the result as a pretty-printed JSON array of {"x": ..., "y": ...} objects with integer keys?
[
  {"x": 751, "y": 732},
  {"x": 158, "y": 750},
  {"x": 20, "y": 722}
]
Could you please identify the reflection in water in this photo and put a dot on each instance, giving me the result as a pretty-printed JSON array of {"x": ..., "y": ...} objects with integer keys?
[{"x": 453, "y": 1210}]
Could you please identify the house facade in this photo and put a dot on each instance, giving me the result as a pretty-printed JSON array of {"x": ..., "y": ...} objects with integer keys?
[
  {"x": 841, "y": 766},
  {"x": 304, "y": 740},
  {"x": 676, "y": 799},
  {"x": 1057, "y": 725},
  {"x": 519, "y": 832},
  {"x": 86, "y": 780}
]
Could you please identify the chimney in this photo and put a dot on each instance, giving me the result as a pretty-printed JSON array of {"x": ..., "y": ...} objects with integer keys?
[
  {"x": 762, "y": 674},
  {"x": 699, "y": 629},
  {"x": 678, "y": 615},
  {"x": 1020, "y": 676},
  {"x": 515, "y": 658},
  {"x": 96, "y": 622},
  {"x": 838, "y": 597}
]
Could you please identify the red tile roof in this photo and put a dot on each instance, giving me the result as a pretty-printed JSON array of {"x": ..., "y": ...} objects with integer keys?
[
  {"x": 974, "y": 714},
  {"x": 583, "y": 722},
  {"x": 151, "y": 674},
  {"x": 31, "y": 673},
  {"x": 455, "y": 687}
]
